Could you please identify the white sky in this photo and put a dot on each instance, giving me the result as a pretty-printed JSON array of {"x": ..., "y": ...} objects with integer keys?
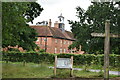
[{"x": 53, "y": 8}]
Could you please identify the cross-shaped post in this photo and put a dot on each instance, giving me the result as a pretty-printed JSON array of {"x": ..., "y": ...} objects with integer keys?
[{"x": 107, "y": 36}]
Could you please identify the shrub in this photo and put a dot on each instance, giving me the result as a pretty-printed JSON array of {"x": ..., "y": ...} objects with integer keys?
[{"x": 79, "y": 59}]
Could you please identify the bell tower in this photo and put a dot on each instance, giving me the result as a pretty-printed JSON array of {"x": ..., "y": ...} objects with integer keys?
[{"x": 61, "y": 22}]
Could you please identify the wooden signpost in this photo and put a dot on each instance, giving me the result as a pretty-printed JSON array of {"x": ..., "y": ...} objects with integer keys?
[
  {"x": 64, "y": 63},
  {"x": 107, "y": 36}
]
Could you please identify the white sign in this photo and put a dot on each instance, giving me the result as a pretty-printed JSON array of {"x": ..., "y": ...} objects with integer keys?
[{"x": 64, "y": 63}]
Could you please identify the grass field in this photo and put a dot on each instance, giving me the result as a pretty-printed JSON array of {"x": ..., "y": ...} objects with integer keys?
[{"x": 31, "y": 70}]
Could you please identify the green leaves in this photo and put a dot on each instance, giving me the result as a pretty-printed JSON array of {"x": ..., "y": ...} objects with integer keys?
[
  {"x": 15, "y": 29},
  {"x": 33, "y": 11},
  {"x": 89, "y": 59},
  {"x": 93, "y": 20}
]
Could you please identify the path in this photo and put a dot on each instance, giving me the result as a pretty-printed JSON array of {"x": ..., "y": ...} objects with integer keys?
[{"x": 92, "y": 70}]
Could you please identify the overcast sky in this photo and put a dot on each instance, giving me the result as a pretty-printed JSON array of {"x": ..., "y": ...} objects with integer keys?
[{"x": 53, "y": 8}]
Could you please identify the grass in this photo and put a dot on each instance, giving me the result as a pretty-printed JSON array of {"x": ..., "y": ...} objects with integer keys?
[
  {"x": 32, "y": 70},
  {"x": 17, "y": 70},
  {"x": 61, "y": 73},
  {"x": 88, "y": 74}
]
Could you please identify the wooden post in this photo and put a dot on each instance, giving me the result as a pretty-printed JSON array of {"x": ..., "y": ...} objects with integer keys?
[
  {"x": 71, "y": 70},
  {"x": 24, "y": 62},
  {"x": 107, "y": 36},
  {"x": 7, "y": 59},
  {"x": 55, "y": 65},
  {"x": 106, "y": 49}
]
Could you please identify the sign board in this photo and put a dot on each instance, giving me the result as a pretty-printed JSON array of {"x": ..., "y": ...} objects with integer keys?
[
  {"x": 64, "y": 63},
  {"x": 98, "y": 34},
  {"x": 103, "y": 35}
]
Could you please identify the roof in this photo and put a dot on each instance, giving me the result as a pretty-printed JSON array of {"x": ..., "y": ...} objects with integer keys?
[{"x": 53, "y": 32}]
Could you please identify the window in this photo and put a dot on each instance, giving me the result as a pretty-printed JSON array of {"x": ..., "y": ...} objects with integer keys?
[
  {"x": 68, "y": 42},
  {"x": 55, "y": 40},
  {"x": 40, "y": 40},
  {"x": 71, "y": 42},
  {"x": 60, "y": 50},
  {"x": 64, "y": 42},
  {"x": 61, "y": 41},
  {"x": 45, "y": 39},
  {"x": 55, "y": 50},
  {"x": 64, "y": 50},
  {"x": 37, "y": 39}
]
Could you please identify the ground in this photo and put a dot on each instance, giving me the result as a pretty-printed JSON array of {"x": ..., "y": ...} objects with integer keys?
[{"x": 32, "y": 70}]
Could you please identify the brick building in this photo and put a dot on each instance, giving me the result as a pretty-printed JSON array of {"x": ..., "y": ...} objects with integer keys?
[{"x": 54, "y": 39}]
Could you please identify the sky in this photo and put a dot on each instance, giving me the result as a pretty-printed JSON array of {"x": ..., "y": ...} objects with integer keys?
[{"x": 53, "y": 9}]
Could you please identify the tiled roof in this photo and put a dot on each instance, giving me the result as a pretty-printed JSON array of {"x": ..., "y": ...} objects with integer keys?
[{"x": 53, "y": 32}]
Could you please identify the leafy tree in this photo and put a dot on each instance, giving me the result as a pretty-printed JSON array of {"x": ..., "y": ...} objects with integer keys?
[
  {"x": 93, "y": 20},
  {"x": 15, "y": 30}
]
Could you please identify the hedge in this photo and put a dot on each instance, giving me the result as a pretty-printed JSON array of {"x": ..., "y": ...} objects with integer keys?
[{"x": 79, "y": 59}]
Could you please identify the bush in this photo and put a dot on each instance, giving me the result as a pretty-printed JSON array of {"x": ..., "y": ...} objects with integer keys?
[
  {"x": 79, "y": 59},
  {"x": 13, "y": 49}
]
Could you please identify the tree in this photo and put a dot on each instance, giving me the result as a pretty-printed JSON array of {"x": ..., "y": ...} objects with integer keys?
[
  {"x": 15, "y": 30},
  {"x": 93, "y": 20}
]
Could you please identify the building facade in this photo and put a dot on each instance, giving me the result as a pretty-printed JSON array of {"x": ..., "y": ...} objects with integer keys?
[{"x": 54, "y": 39}]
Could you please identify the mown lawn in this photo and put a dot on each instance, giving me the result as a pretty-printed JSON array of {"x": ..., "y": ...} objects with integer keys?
[{"x": 32, "y": 70}]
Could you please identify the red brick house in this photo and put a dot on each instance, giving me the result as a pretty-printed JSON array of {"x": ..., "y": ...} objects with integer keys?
[{"x": 54, "y": 39}]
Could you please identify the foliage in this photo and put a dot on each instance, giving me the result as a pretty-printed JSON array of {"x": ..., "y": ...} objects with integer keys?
[
  {"x": 15, "y": 30},
  {"x": 79, "y": 59},
  {"x": 93, "y": 20},
  {"x": 13, "y": 49},
  {"x": 33, "y": 11}
]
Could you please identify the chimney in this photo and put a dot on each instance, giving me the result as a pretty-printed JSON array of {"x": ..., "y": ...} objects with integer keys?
[
  {"x": 50, "y": 23},
  {"x": 56, "y": 24}
]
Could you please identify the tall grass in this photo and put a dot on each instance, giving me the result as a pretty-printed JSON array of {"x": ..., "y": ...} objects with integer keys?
[
  {"x": 29, "y": 71},
  {"x": 32, "y": 70}
]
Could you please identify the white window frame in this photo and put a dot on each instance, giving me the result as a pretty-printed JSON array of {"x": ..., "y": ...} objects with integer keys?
[
  {"x": 56, "y": 40},
  {"x": 68, "y": 42},
  {"x": 55, "y": 50},
  {"x": 61, "y": 42},
  {"x": 64, "y": 42},
  {"x": 60, "y": 50},
  {"x": 64, "y": 50}
]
